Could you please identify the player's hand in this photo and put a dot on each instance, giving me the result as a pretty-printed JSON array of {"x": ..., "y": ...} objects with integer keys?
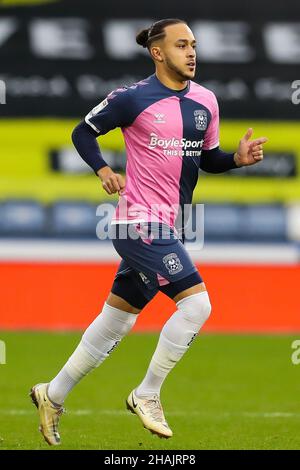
[
  {"x": 111, "y": 182},
  {"x": 249, "y": 151}
]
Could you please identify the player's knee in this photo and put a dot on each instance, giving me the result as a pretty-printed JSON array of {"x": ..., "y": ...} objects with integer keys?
[{"x": 196, "y": 308}]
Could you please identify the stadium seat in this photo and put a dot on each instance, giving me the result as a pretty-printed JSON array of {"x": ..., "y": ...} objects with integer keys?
[
  {"x": 22, "y": 218},
  {"x": 293, "y": 221},
  {"x": 73, "y": 219},
  {"x": 264, "y": 223},
  {"x": 222, "y": 222}
]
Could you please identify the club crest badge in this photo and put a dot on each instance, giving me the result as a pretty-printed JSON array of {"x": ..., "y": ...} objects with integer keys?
[
  {"x": 200, "y": 119},
  {"x": 172, "y": 263}
]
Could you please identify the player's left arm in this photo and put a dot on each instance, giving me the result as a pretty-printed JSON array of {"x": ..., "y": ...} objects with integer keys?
[
  {"x": 215, "y": 160},
  {"x": 249, "y": 151}
]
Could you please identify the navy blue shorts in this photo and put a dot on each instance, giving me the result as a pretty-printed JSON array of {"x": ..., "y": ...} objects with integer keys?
[{"x": 153, "y": 259}]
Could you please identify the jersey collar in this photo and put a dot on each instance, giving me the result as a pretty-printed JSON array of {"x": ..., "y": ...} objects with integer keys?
[{"x": 170, "y": 90}]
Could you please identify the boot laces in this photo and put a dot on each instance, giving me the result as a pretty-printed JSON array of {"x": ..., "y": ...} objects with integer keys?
[{"x": 155, "y": 408}]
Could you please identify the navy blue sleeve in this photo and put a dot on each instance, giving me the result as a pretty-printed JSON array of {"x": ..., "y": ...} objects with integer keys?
[
  {"x": 114, "y": 111},
  {"x": 217, "y": 161},
  {"x": 85, "y": 141}
]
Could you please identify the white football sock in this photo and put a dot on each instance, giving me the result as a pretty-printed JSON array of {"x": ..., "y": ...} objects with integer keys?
[
  {"x": 98, "y": 341},
  {"x": 78, "y": 365},
  {"x": 175, "y": 338}
]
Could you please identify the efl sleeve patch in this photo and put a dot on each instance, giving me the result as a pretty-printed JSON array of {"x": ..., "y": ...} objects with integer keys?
[{"x": 114, "y": 111}]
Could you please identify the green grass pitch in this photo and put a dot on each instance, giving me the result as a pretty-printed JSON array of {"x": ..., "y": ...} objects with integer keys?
[{"x": 228, "y": 392}]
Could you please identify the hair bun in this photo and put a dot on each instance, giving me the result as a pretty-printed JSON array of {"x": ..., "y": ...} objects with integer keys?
[{"x": 142, "y": 37}]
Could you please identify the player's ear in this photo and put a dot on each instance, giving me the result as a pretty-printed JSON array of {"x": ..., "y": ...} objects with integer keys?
[{"x": 156, "y": 53}]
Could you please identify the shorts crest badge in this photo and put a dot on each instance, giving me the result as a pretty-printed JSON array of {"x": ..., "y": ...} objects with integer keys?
[{"x": 172, "y": 263}]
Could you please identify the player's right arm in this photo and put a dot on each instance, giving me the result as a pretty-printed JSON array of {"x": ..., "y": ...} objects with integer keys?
[{"x": 113, "y": 112}]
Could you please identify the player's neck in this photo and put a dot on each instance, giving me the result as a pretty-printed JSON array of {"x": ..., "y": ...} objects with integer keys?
[{"x": 171, "y": 82}]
